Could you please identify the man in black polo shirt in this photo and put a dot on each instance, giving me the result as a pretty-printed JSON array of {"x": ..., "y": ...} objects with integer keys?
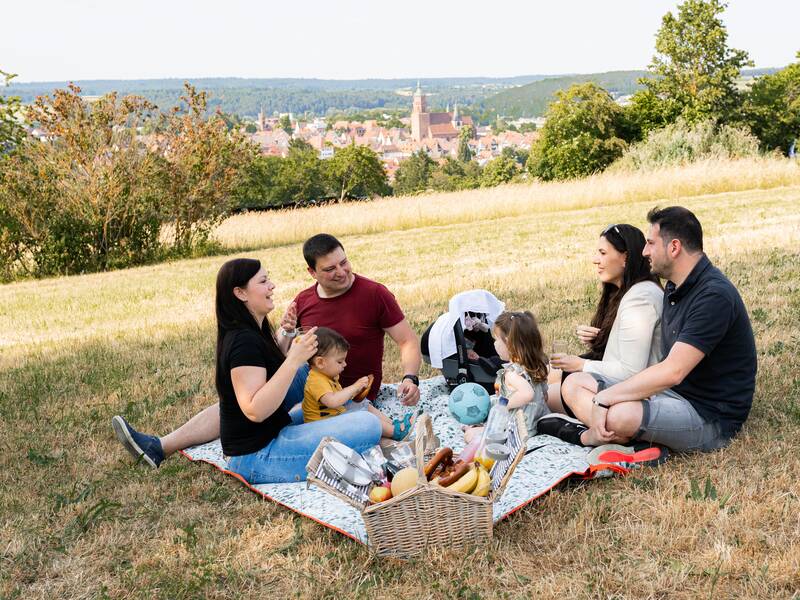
[{"x": 699, "y": 396}]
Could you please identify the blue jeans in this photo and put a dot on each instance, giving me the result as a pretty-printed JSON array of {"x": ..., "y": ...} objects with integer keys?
[
  {"x": 294, "y": 395},
  {"x": 284, "y": 459}
]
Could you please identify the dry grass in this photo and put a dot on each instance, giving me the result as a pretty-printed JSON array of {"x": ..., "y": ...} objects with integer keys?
[
  {"x": 78, "y": 521},
  {"x": 711, "y": 177}
]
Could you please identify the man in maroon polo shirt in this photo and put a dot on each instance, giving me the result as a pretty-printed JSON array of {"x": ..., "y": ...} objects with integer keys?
[{"x": 358, "y": 308}]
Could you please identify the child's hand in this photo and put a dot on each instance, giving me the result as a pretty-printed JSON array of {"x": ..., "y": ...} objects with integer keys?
[
  {"x": 360, "y": 388},
  {"x": 289, "y": 320}
]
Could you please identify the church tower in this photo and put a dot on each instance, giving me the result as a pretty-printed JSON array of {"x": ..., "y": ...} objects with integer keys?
[
  {"x": 456, "y": 118},
  {"x": 420, "y": 118},
  {"x": 262, "y": 121}
]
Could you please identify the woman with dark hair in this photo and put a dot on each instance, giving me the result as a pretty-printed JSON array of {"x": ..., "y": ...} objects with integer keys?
[
  {"x": 259, "y": 380},
  {"x": 625, "y": 334}
]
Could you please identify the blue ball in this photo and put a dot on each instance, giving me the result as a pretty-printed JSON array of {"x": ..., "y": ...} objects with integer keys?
[{"x": 469, "y": 403}]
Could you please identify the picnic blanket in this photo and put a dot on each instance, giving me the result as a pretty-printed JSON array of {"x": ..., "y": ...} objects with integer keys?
[{"x": 548, "y": 461}]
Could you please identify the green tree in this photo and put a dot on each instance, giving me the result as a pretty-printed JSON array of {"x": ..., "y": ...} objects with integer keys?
[
  {"x": 499, "y": 170},
  {"x": 648, "y": 112},
  {"x": 464, "y": 154},
  {"x": 285, "y": 123},
  {"x": 472, "y": 176},
  {"x": 694, "y": 68},
  {"x": 414, "y": 173},
  {"x": 582, "y": 134},
  {"x": 250, "y": 128},
  {"x": 772, "y": 108},
  {"x": 356, "y": 171},
  {"x": 261, "y": 185},
  {"x": 499, "y": 125},
  {"x": 391, "y": 123},
  {"x": 518, "y": 155},
  {"x": 302, "y": 178},
  {"x": 11, "y": 131},
  {"x": 447, "y": 176}
]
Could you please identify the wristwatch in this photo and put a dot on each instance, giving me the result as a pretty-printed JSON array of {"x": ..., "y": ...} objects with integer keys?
[
  {"x": 600, "y": 404},
  {"x": 288, "y": 334},
  {"x": 413, "y": 378}
]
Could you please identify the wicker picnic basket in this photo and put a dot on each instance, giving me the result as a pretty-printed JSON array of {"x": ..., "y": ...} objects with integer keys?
[{"x": 426, "y": 515}]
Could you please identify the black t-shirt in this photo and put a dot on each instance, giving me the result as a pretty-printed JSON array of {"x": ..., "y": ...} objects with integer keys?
[
  {"x": 240, "y": 435},
  {"x": 707, "y": 312}
]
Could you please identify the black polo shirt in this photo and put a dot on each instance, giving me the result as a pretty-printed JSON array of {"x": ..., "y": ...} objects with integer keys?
[{"x": 707, "y": 312}]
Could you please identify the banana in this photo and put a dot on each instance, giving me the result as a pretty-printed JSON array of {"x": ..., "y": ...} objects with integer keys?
[
  {"x": 467, "y": 482},
  {"x": 484, "y": 483}
]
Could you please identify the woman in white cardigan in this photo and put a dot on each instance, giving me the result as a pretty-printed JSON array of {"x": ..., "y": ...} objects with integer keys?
[{"x": 625, "y": 333}]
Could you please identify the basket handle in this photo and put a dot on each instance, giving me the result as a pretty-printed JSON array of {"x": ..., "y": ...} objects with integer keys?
[{"x": 421, "y": 427}]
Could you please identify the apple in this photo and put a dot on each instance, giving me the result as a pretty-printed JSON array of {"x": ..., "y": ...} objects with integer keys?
[{"x": 379, "y": 494}]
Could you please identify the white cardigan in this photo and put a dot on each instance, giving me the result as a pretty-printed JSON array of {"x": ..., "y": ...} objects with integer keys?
[{"x": 634, "y": 342}]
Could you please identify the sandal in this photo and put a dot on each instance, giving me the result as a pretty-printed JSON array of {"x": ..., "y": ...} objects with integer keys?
[{"x": 402, "y": 427}]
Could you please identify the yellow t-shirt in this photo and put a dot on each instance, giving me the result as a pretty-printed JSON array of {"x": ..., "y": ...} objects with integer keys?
[{"x": 317, "y": 385}]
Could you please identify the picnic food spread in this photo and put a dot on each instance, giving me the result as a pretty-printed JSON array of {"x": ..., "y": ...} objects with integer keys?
[
  {"x": 410, "y": 488},
  {"x": 460, "y": 476}
]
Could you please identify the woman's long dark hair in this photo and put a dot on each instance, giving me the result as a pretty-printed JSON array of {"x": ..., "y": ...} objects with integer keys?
[
  {"x": 629, "y": 239},
  {"x": 232, "y": 313}
]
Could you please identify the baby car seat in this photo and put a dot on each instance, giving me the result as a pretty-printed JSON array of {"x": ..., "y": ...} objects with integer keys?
[{"x": 458, "y": 368}]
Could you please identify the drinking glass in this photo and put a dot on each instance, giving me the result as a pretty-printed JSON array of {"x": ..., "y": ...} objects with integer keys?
[
  {"x": 376, "y": 461},
  {"x": 300, "y": 332},
  {"x": 403, "y": 455},
  {"x": 559, "y": 349}
]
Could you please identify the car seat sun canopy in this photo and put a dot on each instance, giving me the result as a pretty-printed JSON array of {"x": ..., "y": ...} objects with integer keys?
[{"x": 475, "y": 309}]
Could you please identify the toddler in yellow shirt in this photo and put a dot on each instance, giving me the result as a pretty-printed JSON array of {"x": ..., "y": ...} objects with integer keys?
[{"x": 325, "y": 397}]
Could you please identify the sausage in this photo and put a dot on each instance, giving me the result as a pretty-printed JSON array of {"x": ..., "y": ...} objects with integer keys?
[
  {"x": 443, "y": 456},
  {"x": 460, "y": 469}
]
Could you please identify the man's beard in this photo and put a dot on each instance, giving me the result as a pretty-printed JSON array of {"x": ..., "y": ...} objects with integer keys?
[{"x": 658, "y": 271}]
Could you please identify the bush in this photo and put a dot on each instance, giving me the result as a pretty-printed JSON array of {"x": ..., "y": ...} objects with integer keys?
[
  {"x": 87, "y": 199},
  {"x": 772, "y": 108},
  {"x": 414, "y": 174},
  {"x": 453, "y": 175},
  {"x": 502, "y": 169},
  {"x": 583, "y": 134},
  {"x": 96, "y": 194},
  {"x": 682, "y": 143},
  {"x": 204, "y": 165},
  {"x": 11, "y": 132}
]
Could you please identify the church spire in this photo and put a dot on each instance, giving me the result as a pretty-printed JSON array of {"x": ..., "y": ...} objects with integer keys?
[{"x": 456, "y": 120}]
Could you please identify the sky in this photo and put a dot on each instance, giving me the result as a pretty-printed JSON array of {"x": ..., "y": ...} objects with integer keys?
[{"x": 58, "y": 40}]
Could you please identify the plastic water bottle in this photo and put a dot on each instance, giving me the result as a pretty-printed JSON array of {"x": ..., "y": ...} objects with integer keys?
[{"x": 495, "y": 430}]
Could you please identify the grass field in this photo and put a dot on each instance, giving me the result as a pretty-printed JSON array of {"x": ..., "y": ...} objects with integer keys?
[{"x": 78, "y": 520}]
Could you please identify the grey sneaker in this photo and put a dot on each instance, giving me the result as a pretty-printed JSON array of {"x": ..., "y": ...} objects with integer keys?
[{"x": 140, "y": 445}]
